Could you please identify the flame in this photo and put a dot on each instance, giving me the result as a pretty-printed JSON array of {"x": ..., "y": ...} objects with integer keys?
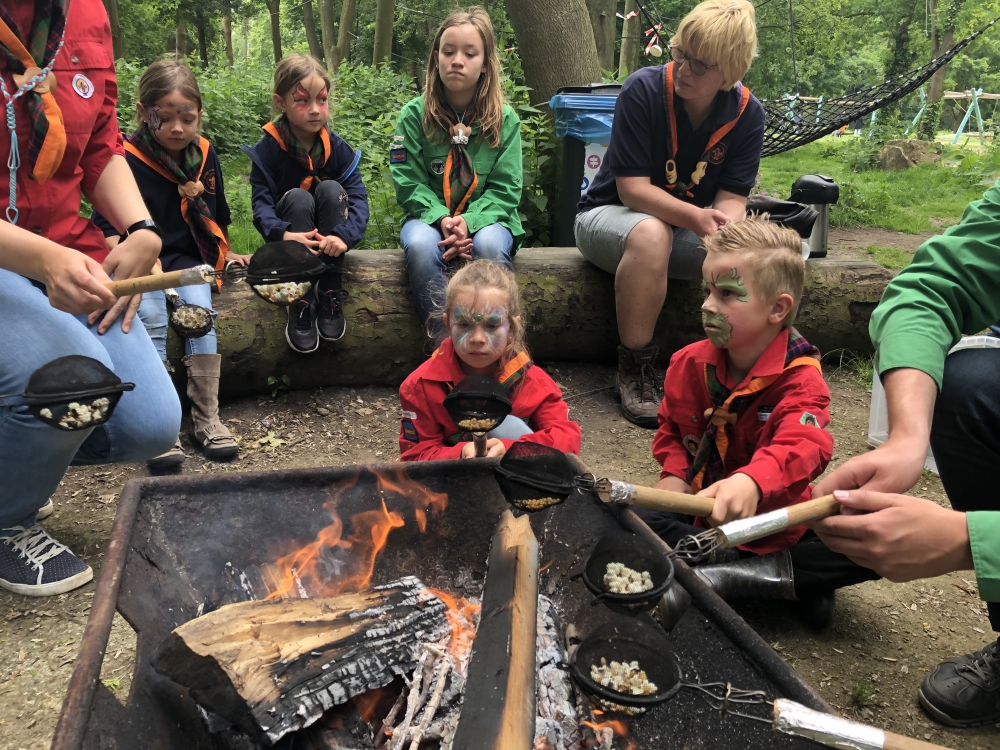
[
  {"x": 461, "y": 619},
  {"x": 367, "y": 703},
  {"x": 334, "y": 564},
  {"x": 616, "y": 727}
]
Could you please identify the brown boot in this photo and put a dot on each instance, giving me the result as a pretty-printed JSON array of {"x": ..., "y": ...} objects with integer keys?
[
  {"x": 638, "y": 386},
  {"x": 169, "y": 460},
  {"x": 203, "y": 390}
]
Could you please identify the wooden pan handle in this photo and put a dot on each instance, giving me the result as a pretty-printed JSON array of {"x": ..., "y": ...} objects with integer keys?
[
  {"x": 813, "y": 510},
  {"x": 673, "y": 502},
  {"x": 155, "y": 282},
  {"x": 899, "y": 742}
]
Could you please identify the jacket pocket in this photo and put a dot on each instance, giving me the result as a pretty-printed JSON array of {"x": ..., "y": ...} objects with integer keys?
[{"x": 83, "y": 72}]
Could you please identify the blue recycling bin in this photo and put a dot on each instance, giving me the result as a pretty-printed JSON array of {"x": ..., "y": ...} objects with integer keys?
[{"x": 583, "y": 117}]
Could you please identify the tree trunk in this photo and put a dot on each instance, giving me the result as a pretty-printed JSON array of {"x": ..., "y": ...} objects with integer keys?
[
  {"x": 942, "y": 40},
  {"x": 116, "y": 32},
  {"x": 181, "y": 43},
  {"x": 556, "y": 44},
  {"x": 309, "y": 20},
  {"x": 246, "y": 40},
  {"x": 199, "y": 22},
  {"x": 568, "y": 310},
  {"x": 384, "y": 12},
  {"x": 328, "y": 33},
  {"x": 628, "y": 58},
  {"x": 342, "y": 53},
  {"x": 602, "y": 19},
  {"x": 274, "y": 10},
  {"x": 227, "y": 35}
]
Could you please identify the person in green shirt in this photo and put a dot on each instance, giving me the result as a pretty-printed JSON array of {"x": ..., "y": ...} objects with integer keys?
[
  {"x": 952, "y": 403},
  {"x": 455, "y": 160}
]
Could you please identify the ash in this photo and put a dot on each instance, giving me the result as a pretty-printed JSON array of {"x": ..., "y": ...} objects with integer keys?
[{"x": 556, "y": 725}]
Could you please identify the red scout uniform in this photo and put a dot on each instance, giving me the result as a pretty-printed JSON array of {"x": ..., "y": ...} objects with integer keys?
[
  {"x": 428, "y": 433},
  {"x": 777, "y": 440},
  {"x": 86, "y": 92}
]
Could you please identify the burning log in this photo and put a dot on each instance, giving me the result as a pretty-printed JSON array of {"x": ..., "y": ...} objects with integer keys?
[
  {"x": 272, "y": 667},
  {"x": 498, "y": 712},
  {"x": 341, "y": 728}
]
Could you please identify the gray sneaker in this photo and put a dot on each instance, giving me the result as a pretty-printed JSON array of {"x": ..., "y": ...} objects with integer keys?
[
  {"x": 637, "y": 385},
  {"x": 34, "y": 564}
]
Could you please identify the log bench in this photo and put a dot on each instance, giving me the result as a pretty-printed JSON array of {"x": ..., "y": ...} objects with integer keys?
[{"x": 569, "y": 312}]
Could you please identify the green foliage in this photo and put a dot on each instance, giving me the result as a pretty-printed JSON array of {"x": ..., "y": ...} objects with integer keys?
[
  {"x": 855, "y": 368},
  {"x": 890, "y": 257},
  {"x": 863, "y": 695},
  {"x": 279, "y": 385}
]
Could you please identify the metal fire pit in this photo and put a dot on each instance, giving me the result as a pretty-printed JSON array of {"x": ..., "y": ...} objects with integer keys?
[{"x": 175, "y": 538}]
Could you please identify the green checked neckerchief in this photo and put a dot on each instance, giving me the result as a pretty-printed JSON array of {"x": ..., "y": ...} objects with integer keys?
[{"x": 708, "y": 463}]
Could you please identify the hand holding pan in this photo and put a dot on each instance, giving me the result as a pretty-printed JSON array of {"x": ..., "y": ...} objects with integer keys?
[{"x": 477, "y": 405}]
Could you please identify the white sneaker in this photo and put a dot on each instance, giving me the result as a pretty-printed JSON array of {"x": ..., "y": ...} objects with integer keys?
[
  {"x": 45, "y": 511},
  {"x": 34, "y": 564}
]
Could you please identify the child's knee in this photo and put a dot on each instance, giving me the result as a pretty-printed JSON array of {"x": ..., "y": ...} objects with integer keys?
[
  {"x": 296, "y": 198},
  {"x": 493, "y": 242},
  {"x": 330, "y": 190}
]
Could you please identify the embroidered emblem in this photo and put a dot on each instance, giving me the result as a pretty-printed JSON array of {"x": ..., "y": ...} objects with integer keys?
[
  {"x": 411, "y": 415},
  {"x": 397, "y": 155},
  {"x": 717, "y": 154},
  {"x": 764, "y": 413},
  {"x": 82, "y": 86},
  {"x": 809, "y": 419},
  {"x": 209, "y": 181},
  {"x": 691, "y": 443},
  {"x": 410, "y": 432},
  {"x": 437, "y": 166}
]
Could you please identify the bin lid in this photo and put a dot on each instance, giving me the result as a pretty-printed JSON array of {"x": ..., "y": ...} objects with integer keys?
[{"x": 596, "y": 97}]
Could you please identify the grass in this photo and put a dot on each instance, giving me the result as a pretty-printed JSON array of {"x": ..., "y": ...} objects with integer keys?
[
  {"x": 890, "y": 257},
  {"x": 904, "y": 201},
  {"x": 858, "y": 369},
  {"x": 863, "y": 695}
]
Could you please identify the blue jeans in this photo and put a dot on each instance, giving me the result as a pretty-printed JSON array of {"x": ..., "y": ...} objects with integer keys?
[
  {"x": 511, "y": 428},
  {"x": 153, "y": 314},
  {"x": 33, "y": 455},
  {"x": 427, "y": 271}
]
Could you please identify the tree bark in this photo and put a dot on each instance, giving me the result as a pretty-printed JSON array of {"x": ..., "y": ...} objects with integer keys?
[
  {"x": 568, "y": 311},
  {"x": 227, "y": 35},
  {"x": 942, "y": 40},
  {"x": 556, "y": 43},
  {"x": 274, "y": 10},
  {"x": 628, "y": 58},
  {"x": 199, "y": 23},
  {"x": 181, "y": 43},
  {"x": 116, "y": 32},
  {"x": 309, "y": 21},
  {"x": 602, "y": 20},
  {"x": 384, "y": 13},
  {"x": 342, "y": 53},
  {"x": 328, "y": 33},
  {"x": 246, "y": 40}
]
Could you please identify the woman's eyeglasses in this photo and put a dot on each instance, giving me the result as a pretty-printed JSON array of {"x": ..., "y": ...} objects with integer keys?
[{"x": 697, "y": 66}]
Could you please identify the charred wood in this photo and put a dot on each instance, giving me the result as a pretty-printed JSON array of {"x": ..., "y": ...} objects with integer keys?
[{"x": 273, "y": 667}]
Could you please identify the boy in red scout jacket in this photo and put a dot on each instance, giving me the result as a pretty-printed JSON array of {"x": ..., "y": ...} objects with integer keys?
[{"x": 743, "y": 416}]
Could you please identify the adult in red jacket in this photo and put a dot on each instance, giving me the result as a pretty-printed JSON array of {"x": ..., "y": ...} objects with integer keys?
[
  {"x": 56, "y": 67},
  {"x": 427, "y": 432}
]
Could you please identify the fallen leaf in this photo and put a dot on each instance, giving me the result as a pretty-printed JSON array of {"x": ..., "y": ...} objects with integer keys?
[
  {"x": 364, "y": 411},
  {"x": 13, "y": 615},
  {"x": 270, "y": 441},
  {"x": 815, "y": 655},
  {"x": 20, "y": 656},
  {"x": 107, "y": 498},
  {"x": 978, "y": 630}
]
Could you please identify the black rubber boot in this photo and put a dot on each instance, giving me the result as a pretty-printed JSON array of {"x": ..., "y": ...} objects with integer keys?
[{"x": 758, "y": 577}]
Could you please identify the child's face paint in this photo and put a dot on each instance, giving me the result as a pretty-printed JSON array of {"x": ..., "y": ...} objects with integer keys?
[
  {"x": 173, "y": 120},
  {"x": 479, "y": 328},
  {"x": 306, "y": 105},
  {"x": 733, "y": 314}
]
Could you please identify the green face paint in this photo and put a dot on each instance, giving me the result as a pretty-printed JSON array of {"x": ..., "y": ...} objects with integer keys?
[
  {"x": 734, "y": 284},
  {"x": 721, "y": 331}
]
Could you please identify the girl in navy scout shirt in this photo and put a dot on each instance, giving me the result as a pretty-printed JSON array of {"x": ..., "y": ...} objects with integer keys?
[
  {"x": 180, "y": 180},
  {"x": 307, "y": 187}
]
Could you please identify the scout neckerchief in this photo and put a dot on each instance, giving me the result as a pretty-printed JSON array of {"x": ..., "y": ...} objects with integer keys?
[
  {"x": 311, "y": 160},
  {"x": 707, "y": 466},
  {"x": 674, "y": 185},
  {"x": 208, "y": 236},
  {"x": 458, "y": 166},
  {"x": 31, "y": 73},
  {"x": 509, "y": 376}
]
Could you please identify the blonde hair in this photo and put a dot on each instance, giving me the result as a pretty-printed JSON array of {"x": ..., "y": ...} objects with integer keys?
[
  {"x": 484, "y": 274},
  {"x": 723, "y": 32},
  {"x": 773, "y": 253},
  {"x": 293, "y": 68},
  {"x": 164, "y": 77},
  {"x": 488, "y": 99}
]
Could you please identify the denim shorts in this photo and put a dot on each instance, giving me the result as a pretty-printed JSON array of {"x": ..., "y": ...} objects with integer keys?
[{"x": 601, "y": 233}]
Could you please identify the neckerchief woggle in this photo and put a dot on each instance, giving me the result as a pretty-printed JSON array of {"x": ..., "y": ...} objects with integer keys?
[
  {"x": 673, "y": 184},
  {"x": 708, "y": 463},
  {"x": 509, "y": 376}
]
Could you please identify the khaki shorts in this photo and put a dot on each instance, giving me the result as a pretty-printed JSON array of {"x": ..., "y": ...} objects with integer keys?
[{"x": 601, "y": 233}]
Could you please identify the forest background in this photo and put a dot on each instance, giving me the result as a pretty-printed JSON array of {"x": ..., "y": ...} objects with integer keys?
[{"x": 377, "y": 51}]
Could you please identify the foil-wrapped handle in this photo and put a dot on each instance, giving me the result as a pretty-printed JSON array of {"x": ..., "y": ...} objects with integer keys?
[
  {"x": 650, "y": 498},
  {"x": 747, "y": 530},
  {"x": 833, "y": 731}
]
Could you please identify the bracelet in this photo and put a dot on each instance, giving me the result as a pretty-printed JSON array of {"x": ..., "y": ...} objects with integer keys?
[{"x": 144, "y": 224}]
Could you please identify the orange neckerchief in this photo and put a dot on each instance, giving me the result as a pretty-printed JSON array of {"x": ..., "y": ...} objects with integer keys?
[
  {"x": 324, "y": 134},
  {"x": 54, "y": 146},
  {"x": 699, "y": 172},
  {"x": 203, "y": 144}
]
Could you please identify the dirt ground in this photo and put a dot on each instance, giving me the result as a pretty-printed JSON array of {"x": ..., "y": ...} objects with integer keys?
[
  {"x": 850, "y": 242},
  {"x": 884, "y": 637}
]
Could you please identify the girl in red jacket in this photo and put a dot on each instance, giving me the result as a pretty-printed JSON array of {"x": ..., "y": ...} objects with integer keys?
[{"x": 482, "y": 311}]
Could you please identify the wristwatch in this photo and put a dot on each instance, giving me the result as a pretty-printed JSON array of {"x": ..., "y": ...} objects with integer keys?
[{"x": 144, "y": 224}]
